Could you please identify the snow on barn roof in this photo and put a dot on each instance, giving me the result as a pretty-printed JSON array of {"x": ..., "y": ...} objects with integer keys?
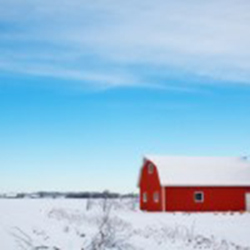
[{"x": 202, "y": 171}]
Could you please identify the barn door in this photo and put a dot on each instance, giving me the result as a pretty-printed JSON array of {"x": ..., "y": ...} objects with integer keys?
[{"x": 248, "y": 201}]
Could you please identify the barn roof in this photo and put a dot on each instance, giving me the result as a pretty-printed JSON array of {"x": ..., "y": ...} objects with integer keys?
[{"x": 202, "y": 171}]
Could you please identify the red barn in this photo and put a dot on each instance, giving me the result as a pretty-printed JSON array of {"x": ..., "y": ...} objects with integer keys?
[{"x": 170, "y": 183}]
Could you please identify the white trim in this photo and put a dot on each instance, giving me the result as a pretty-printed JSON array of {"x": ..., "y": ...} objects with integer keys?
[
  {"x": 150, "y": 168},
  {"x": 156, "y": 197},
  {"x": 144, "y": 197},
  {"x": 202, "y": 196},
  {"x": 205, "y": 185},
  {"x": 247, "y": 200},
  {"x": 163, "y": 199}
]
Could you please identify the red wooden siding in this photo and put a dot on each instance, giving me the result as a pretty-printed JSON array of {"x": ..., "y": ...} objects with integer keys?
[
  {"x": 149, "y": 183},
  {"x": 215, "y": 198}
]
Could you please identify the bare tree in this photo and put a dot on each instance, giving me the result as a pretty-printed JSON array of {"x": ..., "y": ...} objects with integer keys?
[
  {"x": 89, "y": 202},
  {"x": 112, "y": 234}
]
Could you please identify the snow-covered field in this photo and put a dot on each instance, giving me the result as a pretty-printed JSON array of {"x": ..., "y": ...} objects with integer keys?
[{"x": 64, "y": 224}]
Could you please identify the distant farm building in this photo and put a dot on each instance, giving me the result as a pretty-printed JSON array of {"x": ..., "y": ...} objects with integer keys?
[{"x": 170, "y": 183}]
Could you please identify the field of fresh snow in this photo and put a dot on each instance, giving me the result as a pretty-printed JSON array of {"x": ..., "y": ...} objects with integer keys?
[{"x": 64, "y": 224}]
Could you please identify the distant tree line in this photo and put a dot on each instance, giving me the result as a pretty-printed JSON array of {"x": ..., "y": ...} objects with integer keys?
[{"x": 68, "y": 195}]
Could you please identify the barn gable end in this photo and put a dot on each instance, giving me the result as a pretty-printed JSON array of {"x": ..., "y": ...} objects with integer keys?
[{"x": 150, "y": 187}]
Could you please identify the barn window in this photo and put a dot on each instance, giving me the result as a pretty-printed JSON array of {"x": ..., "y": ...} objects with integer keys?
[
  {"x": 156, "y": 197},
  {"x": 150, "y": 168},
  {"x": 199, "y": 197},
  {"x": 144, "y": 197}
]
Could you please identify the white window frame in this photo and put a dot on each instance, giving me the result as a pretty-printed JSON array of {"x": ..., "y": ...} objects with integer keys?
[
  {"x": 156, "y": 197},
  {"x": 144, "y": 197},
  {"x": 150, "y": 168},
  {"x": 202, "y": 196}
]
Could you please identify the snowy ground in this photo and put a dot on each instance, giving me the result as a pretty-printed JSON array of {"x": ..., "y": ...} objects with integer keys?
[{"x": 61, "y": 224}]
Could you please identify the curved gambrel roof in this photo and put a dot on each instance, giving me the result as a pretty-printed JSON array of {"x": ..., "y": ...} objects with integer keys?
[{"x": 201, "y": 171}]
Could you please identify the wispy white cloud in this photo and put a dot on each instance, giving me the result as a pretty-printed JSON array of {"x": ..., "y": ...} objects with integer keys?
[{"x": 119, "y": 43}]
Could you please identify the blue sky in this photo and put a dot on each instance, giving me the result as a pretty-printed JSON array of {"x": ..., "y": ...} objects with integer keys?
[{"x": 88, "y": 87}]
